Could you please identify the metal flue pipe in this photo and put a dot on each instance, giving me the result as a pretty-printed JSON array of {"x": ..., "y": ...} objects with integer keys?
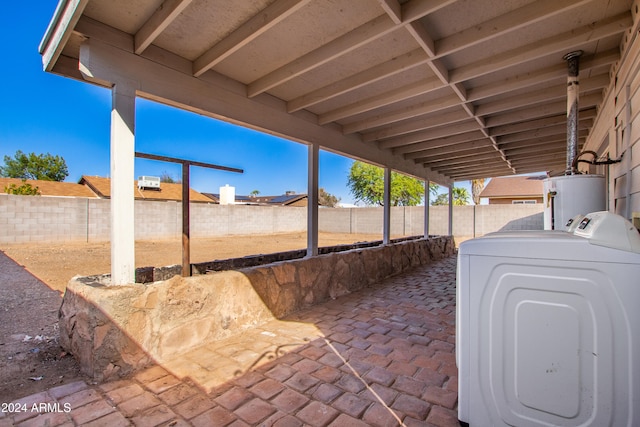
[{"x": 573, "y": 89}]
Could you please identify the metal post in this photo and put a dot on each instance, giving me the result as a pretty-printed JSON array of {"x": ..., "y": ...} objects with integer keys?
[
  {"x": 573, "y": 90},
  {"x": 386, "y": 227},
  {"x": 451, "y": 210},
  {"x": 312, "y": 200},
  {"x": 186, "y": 234},
  {"x": 427, "y": 201},
  {"x": 186, "y": 242}
]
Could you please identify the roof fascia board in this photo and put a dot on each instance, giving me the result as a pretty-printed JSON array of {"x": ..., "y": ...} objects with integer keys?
[
  {"x": 106, "y": 65},
  {"x": 65, "y": 18}
]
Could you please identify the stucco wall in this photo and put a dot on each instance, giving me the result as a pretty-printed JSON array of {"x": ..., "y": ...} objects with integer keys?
[{"x": 56, "y": 219}]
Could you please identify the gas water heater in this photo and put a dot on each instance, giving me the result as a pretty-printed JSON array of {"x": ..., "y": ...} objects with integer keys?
[{"x": 571, "y": 195}]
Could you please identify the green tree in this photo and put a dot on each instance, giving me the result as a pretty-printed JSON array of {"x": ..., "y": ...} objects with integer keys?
[
  {"x": 25, "y": 189},
  {"x": 366, "y": 183},
  {"x": 327, "y": 199},
  {"x": 44, "y": 167},
  {"x": 254, "y": 194},
  {"x": 460, "y": 198}
]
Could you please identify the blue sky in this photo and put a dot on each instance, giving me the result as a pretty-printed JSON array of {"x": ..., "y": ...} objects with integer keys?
[{"x": 45, "y": 113}]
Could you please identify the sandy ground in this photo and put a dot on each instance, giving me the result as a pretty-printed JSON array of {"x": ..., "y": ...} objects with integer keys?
[
  {"x": 55, "y": 264},
  {"x": 33, "y": 278}
]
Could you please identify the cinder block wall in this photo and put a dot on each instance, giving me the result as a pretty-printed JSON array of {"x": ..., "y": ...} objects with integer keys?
[
  {"x": 468, "y": 221},
  {"x": 44, "y": 219},
  {"x": 54, "y": 219}
]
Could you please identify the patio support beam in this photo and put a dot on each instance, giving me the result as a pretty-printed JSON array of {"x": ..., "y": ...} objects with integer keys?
[
  {"x": 427, "y": 201},
  {"x": 312, "y": 198},
  {"x": 386, "y": 223},
  {"x": 103, "y": 63},
  {"x": 123, "y": 108},
  {"x": 186, "y": 221},
  {"x": 450, "y": 233}
]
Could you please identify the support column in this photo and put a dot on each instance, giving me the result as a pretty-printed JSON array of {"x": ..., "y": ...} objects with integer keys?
[
  {"x": 186, "y": 216},
  {"x": 312, "y": 198},
  {"x": 427, "y": 201},
  {"x": 386, "y": 223},
  {"x": 450, "y": 210},
  {"x": 122, "y": 178}
]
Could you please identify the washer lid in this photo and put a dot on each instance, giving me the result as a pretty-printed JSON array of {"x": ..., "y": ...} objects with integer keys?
[
  {"x": 553, "y": 245},
  {"x": 610, "y": 230}
]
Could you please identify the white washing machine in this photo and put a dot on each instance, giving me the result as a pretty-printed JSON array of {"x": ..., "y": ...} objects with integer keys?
[{"x": 548, "y": 326}]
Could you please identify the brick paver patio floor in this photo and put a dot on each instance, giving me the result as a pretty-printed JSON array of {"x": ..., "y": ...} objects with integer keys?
[{"x": 383, "y": 356}]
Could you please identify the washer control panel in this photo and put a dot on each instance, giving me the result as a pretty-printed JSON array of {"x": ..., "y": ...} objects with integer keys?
[{"x": 610, "y": 230}]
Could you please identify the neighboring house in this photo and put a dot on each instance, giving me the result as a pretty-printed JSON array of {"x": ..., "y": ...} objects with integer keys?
[
  {"x": 100, "y": 188},
  {"x": 51, "y": 188},
  {"x": 167, "y": 192},
  {"x": 514, "y": 190},
  {"x": 288, "y": 199}
]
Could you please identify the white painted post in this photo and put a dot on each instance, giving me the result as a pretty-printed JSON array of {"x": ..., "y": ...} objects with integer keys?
[
  {"x": 386, "y": 224},
  {"x": 451, "y": 210},
  {"x": 312, "y": 199},
  {"x": 427, "y": 201},
  {"x": 122, "y": 179}
]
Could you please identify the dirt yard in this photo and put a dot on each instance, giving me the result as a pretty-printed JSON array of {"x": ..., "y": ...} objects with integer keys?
[
  {"x": 55, "y": 264},
  {"x": 30, "y": 357}
]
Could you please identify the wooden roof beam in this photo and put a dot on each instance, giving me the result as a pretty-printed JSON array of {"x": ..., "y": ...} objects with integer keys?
[
  {"x": 449, "y": 117},
  {"x": 446, "y": 141},
  {"x": 453, "y": 147},
  {"x": 403, "y": 114},
  {"x": 389, "y": 68},
  {"x": 157, "y": 23},
  {"x": 381, "y": 100},
  {"x": 539, "y": 96},
  {"x": 558, "y": 43},
  {"x": 533, "y": 78},
  {"x": 430, "y": 134},
  {"x": 504, "y": 24},
  {"x": 542, "y": 111},
  {"x": 256, "y": 26},
  {"x": 586, "y": 115}
]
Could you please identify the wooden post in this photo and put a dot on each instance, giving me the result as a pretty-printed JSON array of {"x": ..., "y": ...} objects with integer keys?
[{"x": 123, "y": 108}]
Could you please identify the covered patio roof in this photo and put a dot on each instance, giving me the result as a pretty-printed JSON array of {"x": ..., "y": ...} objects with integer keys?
[{"x": 443, "y": 90}]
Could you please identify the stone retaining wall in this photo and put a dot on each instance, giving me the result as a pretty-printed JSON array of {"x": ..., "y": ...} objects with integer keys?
[{"x": 116, "y": 330}]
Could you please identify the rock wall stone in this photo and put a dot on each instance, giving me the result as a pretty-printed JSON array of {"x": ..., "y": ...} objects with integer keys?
[{"x": 116, "y": 330}]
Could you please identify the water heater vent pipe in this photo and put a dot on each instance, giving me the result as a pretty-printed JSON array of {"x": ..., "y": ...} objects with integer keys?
[{"x": 573, "y": 89}]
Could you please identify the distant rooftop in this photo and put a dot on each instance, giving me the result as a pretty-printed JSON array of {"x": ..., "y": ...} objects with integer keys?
[
  {"x": 283, "y": 200},
  {"x": 516, "y": 186},
  {"x": 102, "y": 187},
  {"x": 51, "y": 188}
]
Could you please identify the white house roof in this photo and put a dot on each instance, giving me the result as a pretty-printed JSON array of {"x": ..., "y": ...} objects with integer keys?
[{"x": 441, "y": 89}]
